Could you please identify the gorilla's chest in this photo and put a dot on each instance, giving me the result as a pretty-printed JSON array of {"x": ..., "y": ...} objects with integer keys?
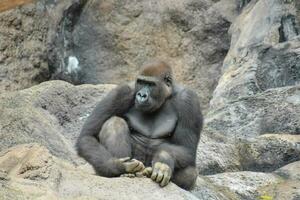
[{"x": 156, "y": 125}]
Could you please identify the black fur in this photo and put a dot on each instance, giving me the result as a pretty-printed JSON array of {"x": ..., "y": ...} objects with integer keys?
[{"x": 173, "y": 143}]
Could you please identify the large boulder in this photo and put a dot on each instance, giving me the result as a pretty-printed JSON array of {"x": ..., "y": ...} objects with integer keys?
[
  {"x": 108, "y": 41},
  {"x": 31, "y": 172},
  {"x": 253, "y": 122},
  {"x": 93, "y": 41},
  {"x": 283, "y": 183},
  {"x": 51, "y": 114},
  {"x": 263, "y": 52}
]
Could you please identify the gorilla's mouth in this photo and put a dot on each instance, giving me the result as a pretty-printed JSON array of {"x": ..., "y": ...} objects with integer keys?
[
  {"x": 146, "y": 106},
  {"x": 142, "y": 105}
]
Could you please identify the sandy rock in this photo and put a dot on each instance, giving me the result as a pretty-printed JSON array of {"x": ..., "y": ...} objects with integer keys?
[
  {"x": 32, "y": 172},
  {"x": 23, "y": 51}
]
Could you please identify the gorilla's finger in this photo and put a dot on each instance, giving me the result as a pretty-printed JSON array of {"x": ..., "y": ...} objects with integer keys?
[
  {"x": 139, "y": 167},
  {"x": 165, "y": 180},
  {"x": 142, "y": 166},
  {"x": 129, "y": 166},
  {"x": 124, "y": 159},
  {"x": 159, "y": 177},
  {"x": 128, "y": 175},
  {"x": 147, "y": 171},
  {"x": 139, "y": 174},
  {"x": 154, "y": 174}
]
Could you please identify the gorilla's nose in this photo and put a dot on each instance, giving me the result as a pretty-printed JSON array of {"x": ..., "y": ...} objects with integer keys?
[{"x": 142, "y": 96}]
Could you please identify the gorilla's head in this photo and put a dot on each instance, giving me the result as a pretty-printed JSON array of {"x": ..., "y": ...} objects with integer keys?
[{"x": 153, "y": 86}]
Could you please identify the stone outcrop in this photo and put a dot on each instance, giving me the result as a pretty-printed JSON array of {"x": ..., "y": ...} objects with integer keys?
[
  {"x": 31, "y": 172},
  {"x": 253, "y": 122}
]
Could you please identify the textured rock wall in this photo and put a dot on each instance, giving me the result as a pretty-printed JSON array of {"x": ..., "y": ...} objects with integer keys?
[
  {"x": 23, "y": 51},
  {"x": 99, "y": 41},
  {"x": 253, "y": 122},
  {"x": 250, "y": 145}
]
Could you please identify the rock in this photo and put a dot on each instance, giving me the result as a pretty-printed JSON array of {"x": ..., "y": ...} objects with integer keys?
[
  {"x": 289, "y": 188},
  {"x": 246, "y": 185},
  {"x": 51, "y": 114},
  {"x": 290, "y": 171},
  {"x": 111, "y": 40},
  {"x": 32, "y": 172},
  {"x": 23, "y": 51},
  {"x": 286, "y": 190},
  {"x": 107, "y": 41},
  {"x": 235, "y": 131},
  {"x": 262, "y": 36},
  {"x": 205, "y": 190},
  {"x": 273, "y": 111},
  {"x": 284, "y": 183},
  {"x": 215, "y": 157},
  {"x": 250, "y": 143},
  {"x": 270, "y": 151},
  {"x": 257, "y": 94}
]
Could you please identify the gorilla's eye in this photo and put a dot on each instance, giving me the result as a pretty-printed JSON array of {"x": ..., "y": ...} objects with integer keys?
[{"x": 145, "y": 83}]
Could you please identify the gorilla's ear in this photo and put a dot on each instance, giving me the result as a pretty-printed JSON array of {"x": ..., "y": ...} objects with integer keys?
[{"x": 168, "y": 80}]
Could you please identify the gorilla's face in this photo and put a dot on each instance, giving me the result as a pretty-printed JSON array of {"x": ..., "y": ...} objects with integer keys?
[{"x": 152, "y": 92}]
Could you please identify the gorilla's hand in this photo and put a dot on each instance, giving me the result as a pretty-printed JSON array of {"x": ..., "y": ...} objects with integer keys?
[
  {"x": 132, "y": 165},
  {"x": 145, "y": 173},
  {"x": 161, "y": 173}
]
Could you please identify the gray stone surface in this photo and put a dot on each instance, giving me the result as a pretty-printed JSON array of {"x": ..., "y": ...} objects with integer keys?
[
  {"x": 246, "y": 185},
  {"x": 258, "y": 93},
  {"x": 51, "y": 114},
  {"x": 260, "y": 41}
]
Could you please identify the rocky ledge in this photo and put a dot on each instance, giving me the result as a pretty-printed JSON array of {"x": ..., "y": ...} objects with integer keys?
[{"x": 38, "y": 128}]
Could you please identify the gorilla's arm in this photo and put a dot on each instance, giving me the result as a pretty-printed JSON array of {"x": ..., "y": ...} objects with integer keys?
[
  {"x": 180, "y": 152},
  {"x": 117, "y": 102}
]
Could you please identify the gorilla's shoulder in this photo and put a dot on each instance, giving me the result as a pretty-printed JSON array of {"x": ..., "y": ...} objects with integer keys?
[
  {"x": 182, "y": 93},
  {"x": 187, "y": 104},
  {"x": 121, "y": 92}
]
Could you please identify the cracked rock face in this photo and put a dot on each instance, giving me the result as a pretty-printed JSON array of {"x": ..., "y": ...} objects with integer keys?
[
  {"x": 93, "y": 41},
  {"x": 253, "y": 122},
  {"x": 112, "y": 39}
]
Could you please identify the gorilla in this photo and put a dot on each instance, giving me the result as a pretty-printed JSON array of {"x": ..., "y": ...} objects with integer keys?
[{"x": 148, "y": 128}]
